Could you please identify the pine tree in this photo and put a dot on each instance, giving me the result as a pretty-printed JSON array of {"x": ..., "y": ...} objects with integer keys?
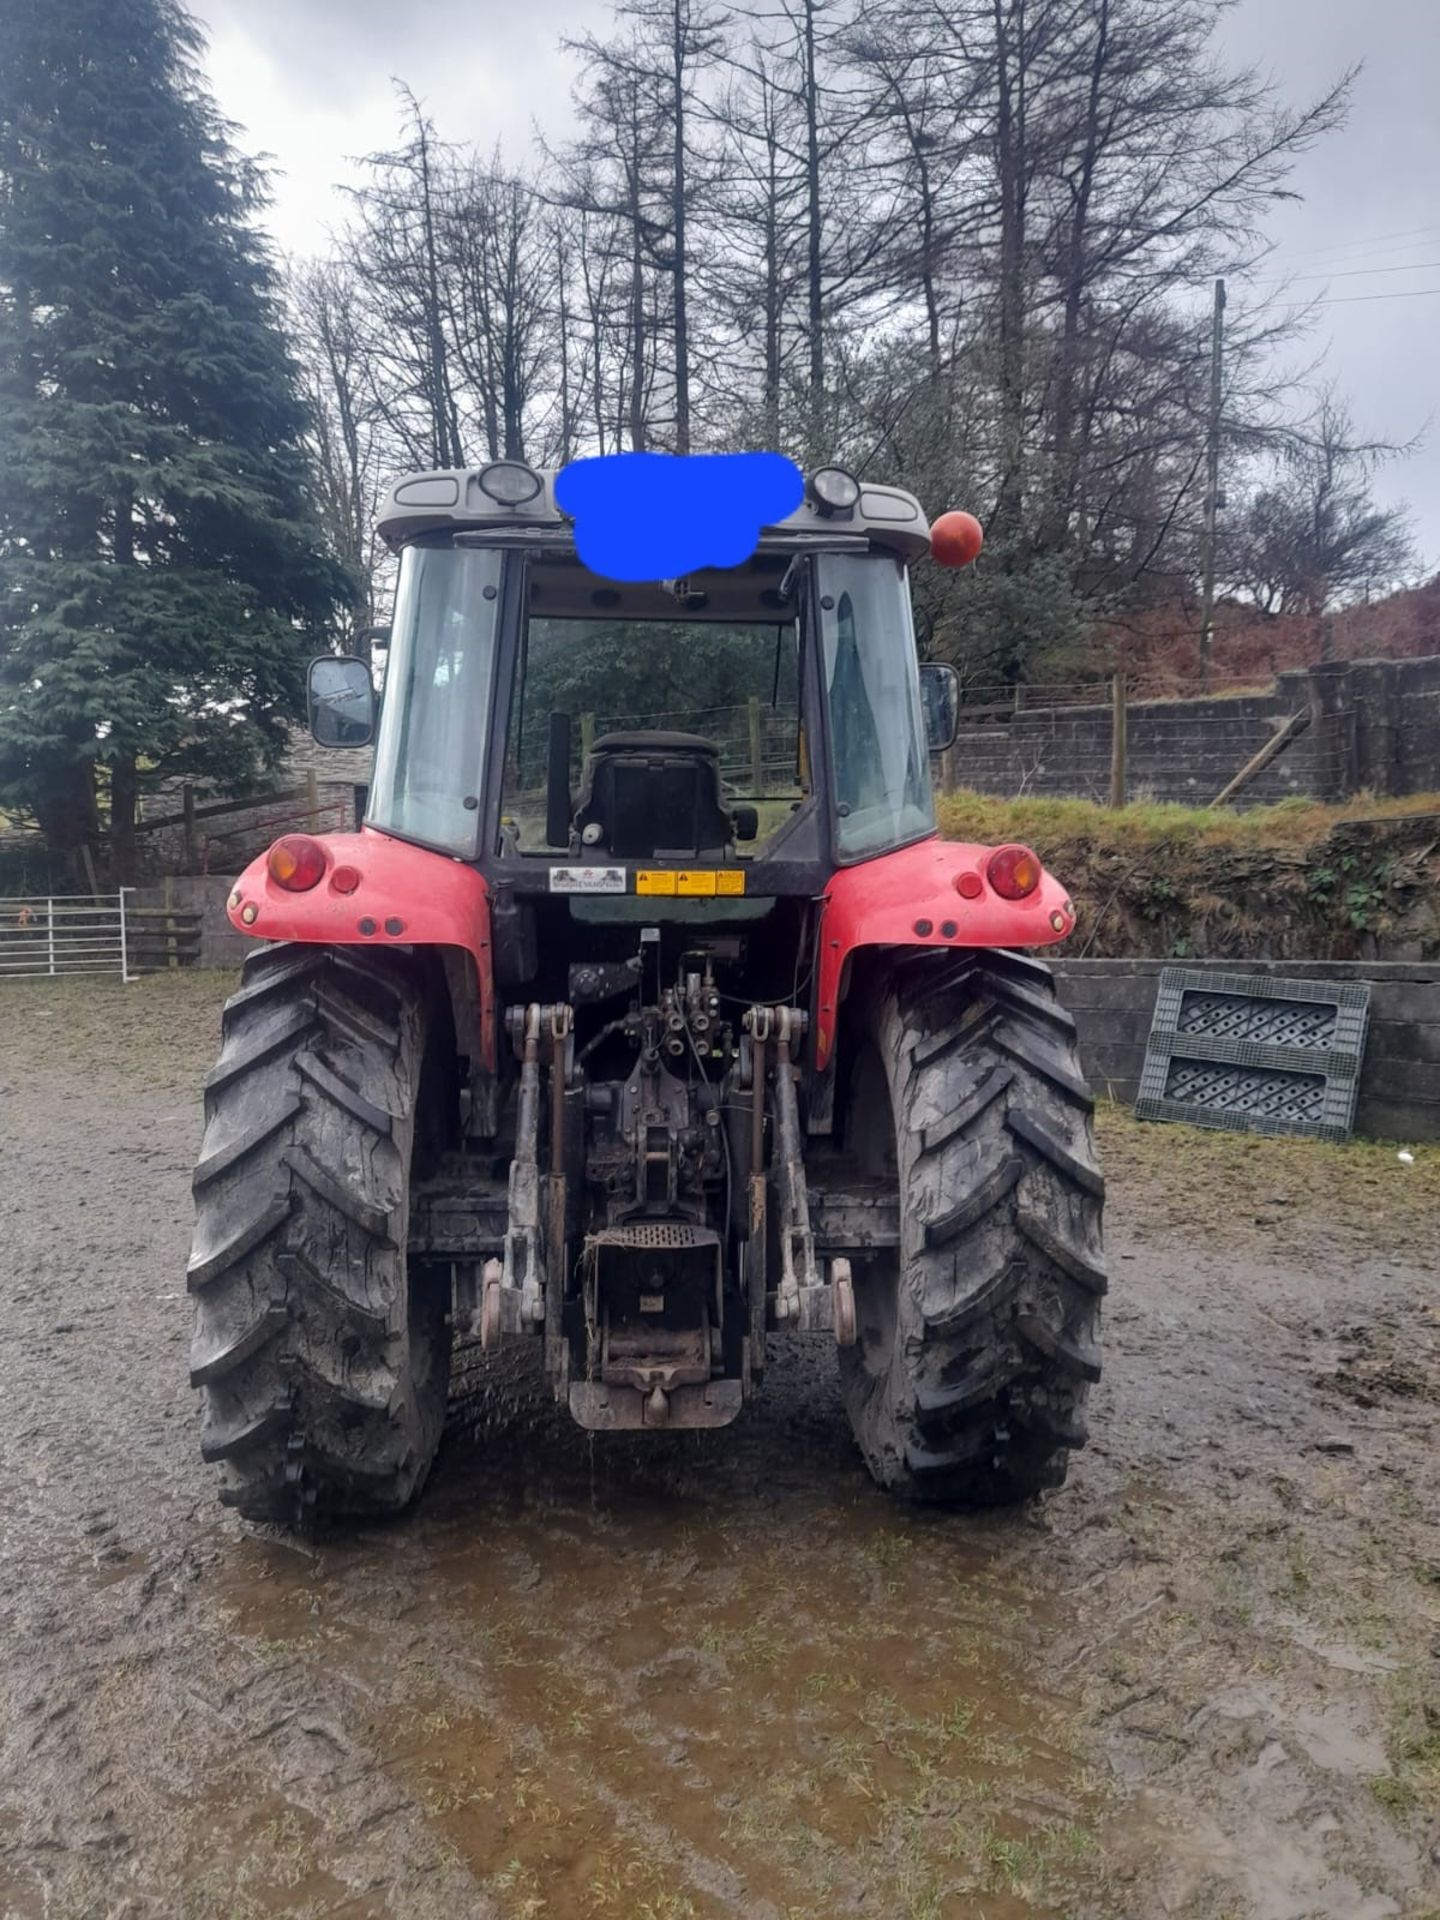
[{"x": 161, "y": 576}]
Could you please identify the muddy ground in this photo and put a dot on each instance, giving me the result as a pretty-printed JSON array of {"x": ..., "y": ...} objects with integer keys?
[{"x": 718, "y": 1674}]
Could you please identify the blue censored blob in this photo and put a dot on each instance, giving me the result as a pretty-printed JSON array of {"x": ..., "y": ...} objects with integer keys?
[{"x": 659, "y": 516}]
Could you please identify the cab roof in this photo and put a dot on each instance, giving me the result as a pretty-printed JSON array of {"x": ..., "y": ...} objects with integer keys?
[{"x": 451, "y": 500}]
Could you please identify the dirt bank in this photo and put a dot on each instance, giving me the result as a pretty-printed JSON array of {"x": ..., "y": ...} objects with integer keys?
[
  {"x": 719, "y": 1675},
  {"x": 1296, "y": 882}
]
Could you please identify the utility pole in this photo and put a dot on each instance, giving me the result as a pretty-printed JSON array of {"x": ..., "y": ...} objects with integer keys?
[{"x": 1212, "y": 485}]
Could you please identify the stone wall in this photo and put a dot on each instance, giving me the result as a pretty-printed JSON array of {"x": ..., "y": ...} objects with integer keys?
[
  {"x": 1113, "y": 1002},
  {"x": 1372, "y": 726}
]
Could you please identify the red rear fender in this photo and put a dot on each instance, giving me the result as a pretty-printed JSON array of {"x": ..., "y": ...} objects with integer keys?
[
  {"x": 910, "y": 899},
  {"x": 378, "y": 892}
]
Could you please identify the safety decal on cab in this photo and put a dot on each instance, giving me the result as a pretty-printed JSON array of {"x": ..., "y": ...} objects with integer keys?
[
  {"x": 587, "y": 880},
  {"x": 694, "y": 881}
]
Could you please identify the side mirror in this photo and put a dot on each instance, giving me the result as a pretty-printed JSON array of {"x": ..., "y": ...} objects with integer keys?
[
  {"x": 940, "y": 692},
  {"x": 341, "y": 699}
]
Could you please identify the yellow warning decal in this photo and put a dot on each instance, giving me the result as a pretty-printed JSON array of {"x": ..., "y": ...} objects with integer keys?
[{"x": 696, "y": 882}]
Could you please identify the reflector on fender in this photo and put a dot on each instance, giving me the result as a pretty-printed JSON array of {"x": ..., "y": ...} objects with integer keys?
[
  {"x": 1013, "y": 872},
  {"x": 296, "y": 863}
]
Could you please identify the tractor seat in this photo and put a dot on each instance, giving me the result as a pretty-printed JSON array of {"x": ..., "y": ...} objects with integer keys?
[
  {"x": 654, "y": 795},
  {"x": 639, "y": 742}
]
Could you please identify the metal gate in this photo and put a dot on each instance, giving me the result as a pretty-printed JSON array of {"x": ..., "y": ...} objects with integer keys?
[{"x": 47, "y": 935}]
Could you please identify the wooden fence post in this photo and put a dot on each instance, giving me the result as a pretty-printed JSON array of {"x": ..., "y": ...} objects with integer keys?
[
  {"x": 757, "y": 765},
  {"x": 1118, "y": 740},
  {"x": 187, "y": 804}
]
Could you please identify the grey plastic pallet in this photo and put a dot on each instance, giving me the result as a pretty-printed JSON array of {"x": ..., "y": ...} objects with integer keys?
[{"x": 1255, "y": 1054}]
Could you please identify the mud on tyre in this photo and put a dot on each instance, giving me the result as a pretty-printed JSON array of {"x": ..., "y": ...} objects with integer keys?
[
  {"x": 979, "y": 1340},
  {"x": 321, "y": 1357}
]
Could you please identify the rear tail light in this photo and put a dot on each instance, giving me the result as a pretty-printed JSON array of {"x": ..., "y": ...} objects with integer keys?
[
  {"x": 1013, "y": 872},
  {"x": 296, "y": 863}
]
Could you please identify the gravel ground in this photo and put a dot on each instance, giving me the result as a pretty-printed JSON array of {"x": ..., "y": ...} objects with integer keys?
[{"x": 718, "y": 1674}]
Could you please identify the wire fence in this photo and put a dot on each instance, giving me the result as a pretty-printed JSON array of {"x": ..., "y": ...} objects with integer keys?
[
  {"x": 1316, "y": 737},
  {"x": 1111, "y": 741},
  {"x": 999, "y": 699}
]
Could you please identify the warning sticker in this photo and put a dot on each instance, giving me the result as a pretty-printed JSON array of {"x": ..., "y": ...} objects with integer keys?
[
  {"x": 587, "y": 879},
  {"x": 696, "y": 882}
]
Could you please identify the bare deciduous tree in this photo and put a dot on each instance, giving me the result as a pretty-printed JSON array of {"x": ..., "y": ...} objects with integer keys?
[
  {"x": 1314, "y": 535},
  {"x": 967, "y": 242}
]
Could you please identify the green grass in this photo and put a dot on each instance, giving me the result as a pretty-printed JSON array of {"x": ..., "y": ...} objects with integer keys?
[
  {"x": 1412, "y": 1782},
  {"x": 1135, "y": 829}
]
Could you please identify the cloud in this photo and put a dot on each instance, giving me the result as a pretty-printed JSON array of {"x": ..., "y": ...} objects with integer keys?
[
  {"x": 310, "y": 84},
  {"x": 659, "y": 516}
]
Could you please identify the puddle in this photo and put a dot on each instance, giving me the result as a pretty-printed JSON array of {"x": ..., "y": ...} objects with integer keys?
[{"x": 631, "y": 1689}]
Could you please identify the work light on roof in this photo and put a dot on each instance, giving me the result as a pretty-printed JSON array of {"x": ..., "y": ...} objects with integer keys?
[
  {"x": 833, "y": 489},
  {"x": 510, "y": 482}
]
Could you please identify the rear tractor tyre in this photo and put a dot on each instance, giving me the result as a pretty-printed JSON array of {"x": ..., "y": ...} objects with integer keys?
[
  {"x": 979, "y": 1340},
  {"x": 322, "y": 1357}
]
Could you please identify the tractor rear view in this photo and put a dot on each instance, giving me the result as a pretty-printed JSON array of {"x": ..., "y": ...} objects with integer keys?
[{"x": 647, "y": 1018}]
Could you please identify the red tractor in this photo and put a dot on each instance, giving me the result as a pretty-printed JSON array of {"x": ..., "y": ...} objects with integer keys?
[{"x": 647, "y": 1017}]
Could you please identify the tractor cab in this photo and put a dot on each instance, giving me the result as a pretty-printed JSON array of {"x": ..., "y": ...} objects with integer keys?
[{"x": 768, "y": 715}]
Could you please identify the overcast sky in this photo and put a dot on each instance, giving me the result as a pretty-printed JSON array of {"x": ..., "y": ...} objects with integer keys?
[{"x": 310, "y": 83}]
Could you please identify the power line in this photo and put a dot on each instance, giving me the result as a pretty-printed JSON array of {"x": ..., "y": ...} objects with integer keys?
[
  {"x": 1350, "y": 273},
  {"x": 1343, "y": 299},
  {"x": 1370, "y": 242}
]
